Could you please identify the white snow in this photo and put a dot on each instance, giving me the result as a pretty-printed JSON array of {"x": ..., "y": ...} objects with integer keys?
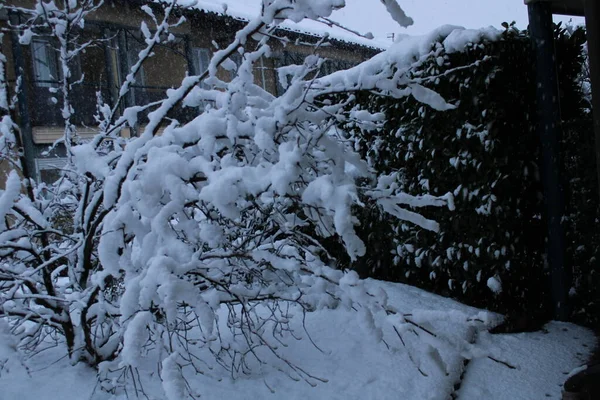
[
  {"x": 8, "y": 196},
  {"x": 247, "y": 10},
  {"x": 25, "y": 37},
  {"x": 349, "y": 362},
  {"x": 86, "y": 159},
  {"x": 543, "y": 359},
  {"x": 494, "y": 284},
  {"x": 429, "y": 97},
  {"x": 386, "y": 72},
  {"x": 172, "y": 382},
  {"x": 397, "y": 13},
  {"x": 202, "y": 227}
]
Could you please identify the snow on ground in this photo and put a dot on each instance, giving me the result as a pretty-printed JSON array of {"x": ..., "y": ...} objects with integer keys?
[
  {"x": 543, "y": 360},
  {"x": 353, "y": 364}
]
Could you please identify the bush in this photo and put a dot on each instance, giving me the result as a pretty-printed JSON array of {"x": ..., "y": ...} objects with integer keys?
[{"x": 491, "y": 250}]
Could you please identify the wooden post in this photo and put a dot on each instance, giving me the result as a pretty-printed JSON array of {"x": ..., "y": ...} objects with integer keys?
[
  {"x": 109, "y": 66},
  {"x": 592, "y": 14},
  {"x": 189, "y": 56},
  {"x": 23, "y": 97},
  {"x": 549, "y": 130}
]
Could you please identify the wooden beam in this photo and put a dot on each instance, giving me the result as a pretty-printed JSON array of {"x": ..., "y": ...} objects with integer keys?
[
  {"x": 23, "y": 96},
  {"x": 564, "y": 7},
  {"x": 592, "y": 17},
  {"x": 541, "y": 31}
]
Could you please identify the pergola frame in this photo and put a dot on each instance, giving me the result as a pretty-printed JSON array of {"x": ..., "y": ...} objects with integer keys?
[{"x": 549, "y": 128}]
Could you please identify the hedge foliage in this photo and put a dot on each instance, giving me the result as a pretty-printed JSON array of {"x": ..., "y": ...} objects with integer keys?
[{"x": 486, "y": 153}]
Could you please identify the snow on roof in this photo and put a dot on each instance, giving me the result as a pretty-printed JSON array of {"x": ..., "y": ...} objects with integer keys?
[{"x": 247, "y": 9}]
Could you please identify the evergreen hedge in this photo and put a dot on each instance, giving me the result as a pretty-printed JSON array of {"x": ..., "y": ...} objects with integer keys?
[{"x": 486, "y": 153}]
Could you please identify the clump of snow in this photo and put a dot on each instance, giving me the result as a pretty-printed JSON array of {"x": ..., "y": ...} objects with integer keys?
[
  {"x": 311, "y": 9},
  {"x": 26, "y": 37},
  {"x": 172, "y": 382},
  {"x": 387, "y": 72},
  {"x": 494, "y": 284},
  {"x": 135, "y": 338},
  {"x": 430, "y": 97},
  {"x": 8, "y": 349},
  {"x": 87, "y": 160},
  {"x": 457, "y": 40},
  {"x": 8, "y": 196},
  {"x": 398, "y": 13}
]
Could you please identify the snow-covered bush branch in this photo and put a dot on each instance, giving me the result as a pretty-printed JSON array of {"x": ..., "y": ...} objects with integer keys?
[
  {"x": 52, "y": 239},
  {"x": 196, "y": 246}
]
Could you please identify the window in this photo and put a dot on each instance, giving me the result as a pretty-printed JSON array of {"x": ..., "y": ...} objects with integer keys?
[
  {"x": 285, "y": 59},
  {"x": 330, "y": 66},
  {"x": 237, "y": 60},
  {"x": 262, "y": 69},
  {"x": 49, "y": 170},
  {"x": 134, "y": 47},
  {"x": 201, "y": 60},
  {"x": 137, "y": 94},
  {"x": 45, "y": 63}
]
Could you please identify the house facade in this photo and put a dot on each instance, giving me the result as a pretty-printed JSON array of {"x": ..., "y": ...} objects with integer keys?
[{"x": 102, "y": 68}]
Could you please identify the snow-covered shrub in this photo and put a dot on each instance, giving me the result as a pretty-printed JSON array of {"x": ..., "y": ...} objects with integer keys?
[
  {"x": 485, "y": 151},
  {"x": 187, "y": 252}
]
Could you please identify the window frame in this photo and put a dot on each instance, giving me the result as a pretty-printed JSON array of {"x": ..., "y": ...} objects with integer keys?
[
  {"x": 50, "y": 63},
  {"x": 198, "y": 53},
  {"x": 47, "y": 164}
]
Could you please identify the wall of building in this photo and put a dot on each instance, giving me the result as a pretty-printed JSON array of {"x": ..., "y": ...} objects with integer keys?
[{"x": 105, "y": 65}]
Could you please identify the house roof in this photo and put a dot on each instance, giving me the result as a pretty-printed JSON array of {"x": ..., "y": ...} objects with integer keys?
[{"x": 245, "y": 10}]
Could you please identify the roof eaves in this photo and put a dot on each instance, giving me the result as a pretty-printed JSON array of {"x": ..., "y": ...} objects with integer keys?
[{"x": 227, "y": 12}]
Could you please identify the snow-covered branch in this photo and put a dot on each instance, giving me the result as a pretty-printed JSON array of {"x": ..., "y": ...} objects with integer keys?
[{"x": 142, "y": 248}]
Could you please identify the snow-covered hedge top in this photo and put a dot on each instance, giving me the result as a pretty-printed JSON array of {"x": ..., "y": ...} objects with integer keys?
[{"x": 388, "y": 70}]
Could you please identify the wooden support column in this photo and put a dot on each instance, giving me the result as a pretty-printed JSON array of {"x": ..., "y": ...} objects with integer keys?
[
  {"x": 189, "y": 56},
  {"x": 23, "y": 99},
  {"x": 592, "y": 20},
  {"x": 110, "y": 67},
  {"x": 549, "y": 130}
]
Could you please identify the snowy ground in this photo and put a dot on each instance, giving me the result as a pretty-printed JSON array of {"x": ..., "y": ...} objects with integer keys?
[
  {"x": 543, "y": 360},
  {"x": 353, "y": 365}
]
